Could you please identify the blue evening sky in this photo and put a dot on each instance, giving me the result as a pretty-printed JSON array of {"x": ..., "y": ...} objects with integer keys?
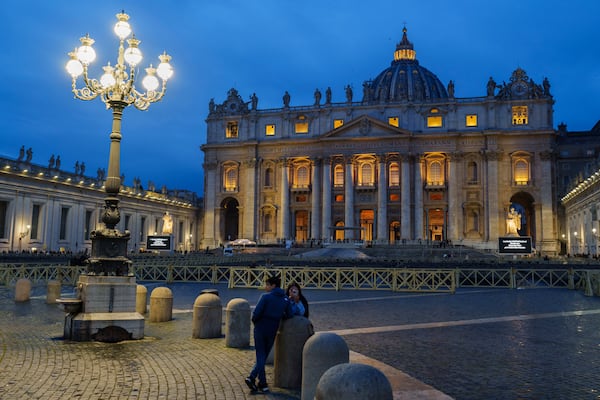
[{"x": 268, "y": 47}]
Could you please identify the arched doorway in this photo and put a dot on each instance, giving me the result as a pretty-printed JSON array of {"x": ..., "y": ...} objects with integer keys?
[
  {"x": 230, "y": 220},
  {"x": 522, "y": 202}
]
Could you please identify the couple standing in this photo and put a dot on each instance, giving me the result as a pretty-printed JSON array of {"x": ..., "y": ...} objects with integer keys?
[{"x": 272, "y": 306}]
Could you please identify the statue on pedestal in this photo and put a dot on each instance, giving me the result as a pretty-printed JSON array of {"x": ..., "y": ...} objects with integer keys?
[{"x": 513, "y": 222}]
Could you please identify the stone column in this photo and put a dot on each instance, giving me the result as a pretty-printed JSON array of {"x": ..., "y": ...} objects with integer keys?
[
  {"x": 454, "y": 215},
  {"x": 249, "y": 200},
  {"x": 285, "y": 201},
  {"x": 547, "y": 234},
  {"x": 326, "y": 220},
  {"x": 349, "y": 199},
  {"x": 315, "y": 220},
  {"x": 382, "y": 223},
  {"x": 493, "y": 208},
  {"x": 211, "y": 228},
  {"x": 405, "y": 214},
  {"x": 418, "y": 227}
]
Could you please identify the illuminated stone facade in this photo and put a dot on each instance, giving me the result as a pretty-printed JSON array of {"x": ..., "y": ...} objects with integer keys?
[
  {"x": 408, "y": 162},
  {"x": 47, "y": 209}
]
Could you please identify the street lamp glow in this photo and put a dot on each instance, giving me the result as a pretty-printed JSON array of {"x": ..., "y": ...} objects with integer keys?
[
  {"x": 133, "y": 55},
  {"x": 164, "y": 69},
  {"x": 74, "y": 66},
  {"x": 122, "y": 28},
  {"x": 86, "y": 53},
  {"x": 117, "y": 89},
  {"x": 150, "y": 81}
]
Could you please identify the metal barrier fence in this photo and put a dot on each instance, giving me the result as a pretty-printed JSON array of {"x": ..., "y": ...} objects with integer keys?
[{"x": 350, "y": 278}]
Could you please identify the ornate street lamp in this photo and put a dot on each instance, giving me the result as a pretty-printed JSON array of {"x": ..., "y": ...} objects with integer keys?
[{"x": 116, "y": 88}]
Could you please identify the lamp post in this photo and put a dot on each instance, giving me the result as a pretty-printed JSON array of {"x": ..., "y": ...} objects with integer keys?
[{"x": 116, "y": 88}]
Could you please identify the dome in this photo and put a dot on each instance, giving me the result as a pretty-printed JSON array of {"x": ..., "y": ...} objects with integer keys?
[{"x": 405, "y": 80}]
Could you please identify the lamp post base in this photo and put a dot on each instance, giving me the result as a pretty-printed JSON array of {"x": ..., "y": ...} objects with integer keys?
[{"x": 105, "y": 310}]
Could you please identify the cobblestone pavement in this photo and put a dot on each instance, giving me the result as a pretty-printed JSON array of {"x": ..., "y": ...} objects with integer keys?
[{"x": 475, "y": 344}]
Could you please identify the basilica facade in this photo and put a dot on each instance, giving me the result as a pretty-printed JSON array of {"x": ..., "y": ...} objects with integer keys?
[{"x": 406, "y": 162}]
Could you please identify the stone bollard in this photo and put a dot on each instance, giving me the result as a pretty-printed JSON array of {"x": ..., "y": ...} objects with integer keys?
[
  {"x": 161, "y": 304},
  {"x": 353, "y": 382},
  {"x": 53, "y": 292},
  {"x": 237, "y": 323},
  {"x": 289, "y": 342},
  {"x": 207, "y": 317},
  {"x": 141, "y": 295},
  {"x": 321, "y": 352},
  {"x": 23, "y": 290}
]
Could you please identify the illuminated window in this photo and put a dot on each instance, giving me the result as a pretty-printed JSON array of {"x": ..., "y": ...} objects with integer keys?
[
  {"x": 393, "y": 121},
  {"x": 302, "y": 179},
  {"x": 232, "y": 130},
  {"x": 301, "y": 124},
  {"x": 365, "y": 176},
  {"x": 434, "y": 121},
  {"x": 339, "y": 198},
  {"x": 394, "y": 175},
  {"x": 519, "y": 115},
  {"x": 231, "y": 175},
  {"x": 521, "y": 172},
  {"x": 338, "y": 176},
  {"x": 471, "y": 120},
  {"x": 435, "y": 173},
  {"x": 337, "y": 123},
  {"x": 394, "y": 197},
  {"x": 270, "y": 130}
]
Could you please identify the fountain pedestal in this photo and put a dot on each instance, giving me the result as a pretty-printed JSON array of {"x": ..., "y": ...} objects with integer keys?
[{"x": 105, "y": 310}]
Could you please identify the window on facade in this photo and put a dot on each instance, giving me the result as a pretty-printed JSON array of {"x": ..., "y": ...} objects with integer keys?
[
  {"x": 338, "y": 175},
  {"x": 339, "y": 198},
  {"x": 337, "y": 123},
  {"x": 268, "y": 223},
  {"x": 64, "y": 215},
  {"x": 270, "y": 130},
  {"x": 394, "y": 175},
  {"x": 301, "y": 124},
  {"x": 365, "y": 176},
  {"x": 521, "y": 172},
  {"x": 231, "y": 132},
  {"x": 231, "y": 179},
  {"x": 472, "y": 176},
  {"x": 519, "y": 115},
  {"x": 434, "y": 121},
  {"x": 3, "y": 212},
  {"x": 435, "y": 176},
  {"x": 180, "y": 232},
  {"x": 127, "y": 221},
  {"x": 435, "y": 173},
  {"x": 394, "y": 197},
  {"x": 302, "y": 179},
  {"x": 35, "y": 221},
  {"x": 393, "y": 121},
  {"x": 87, "y": 228},
  {"x": 471, "y": 120},
  {"x": 155, "y": 226},
  {"x": 269, "y": 177}
]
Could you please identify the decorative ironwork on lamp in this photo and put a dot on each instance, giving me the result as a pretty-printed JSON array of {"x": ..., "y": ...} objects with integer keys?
[{"x": 116, "y": 88}]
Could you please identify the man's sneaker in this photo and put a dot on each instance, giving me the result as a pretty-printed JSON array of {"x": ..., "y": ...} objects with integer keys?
[
  {"x": 263, "y": 388},
  {"x": 250, "y": 382}
]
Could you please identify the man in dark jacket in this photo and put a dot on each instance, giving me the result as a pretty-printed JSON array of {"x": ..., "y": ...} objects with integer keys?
[{"x": 270, "y": 309}]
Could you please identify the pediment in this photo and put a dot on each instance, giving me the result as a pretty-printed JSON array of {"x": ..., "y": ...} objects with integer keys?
[{"x": 365, "y": 126}]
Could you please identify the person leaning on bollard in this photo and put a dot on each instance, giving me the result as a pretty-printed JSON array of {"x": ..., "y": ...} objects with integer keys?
[
  {"x": 299, "y": 302},
  {"x": 270, "y": 309}
]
